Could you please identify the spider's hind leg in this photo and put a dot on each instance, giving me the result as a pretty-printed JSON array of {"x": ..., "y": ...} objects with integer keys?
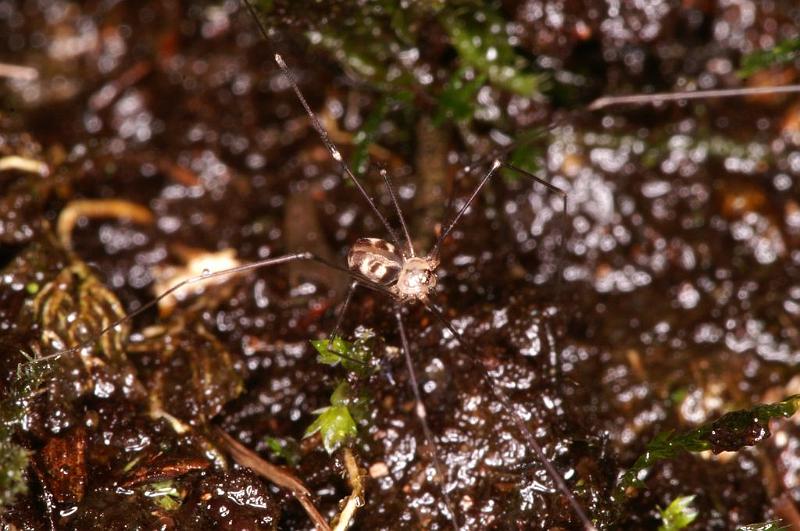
[
  {"x": 422, "y": 415},
  {"x": 507, "y": 405}
]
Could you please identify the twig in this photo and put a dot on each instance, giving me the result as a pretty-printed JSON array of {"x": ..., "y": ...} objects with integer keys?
[
  {"x": 653, "y": 99},
  {"x": 277, "y": 475},
  {"x": 356, "y": 498},
  {"x": 21, "y": 73},
  {"x": 14, "y": 162},
  {"x": 98, "y": 208},
  {"x": 785, "y": 508},
  {"x": 109, "y": 92}
]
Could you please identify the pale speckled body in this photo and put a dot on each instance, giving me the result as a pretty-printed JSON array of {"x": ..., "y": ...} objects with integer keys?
[
  {"x": 379, "y": 262},
  {"x": 376, "y": 260}
]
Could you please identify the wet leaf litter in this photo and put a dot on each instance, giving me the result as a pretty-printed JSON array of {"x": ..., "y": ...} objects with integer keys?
[{"x": 691, "y": 201}]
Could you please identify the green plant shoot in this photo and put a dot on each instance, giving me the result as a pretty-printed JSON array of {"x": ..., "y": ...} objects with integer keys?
[
  {"x": 678, "y": 514},
  {"x": 336, "y": 423},
  {"x": 731, "y": 432}
]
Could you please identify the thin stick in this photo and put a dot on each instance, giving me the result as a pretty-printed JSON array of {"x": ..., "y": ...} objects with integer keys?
[
  {"x": 389, "y": 187},
  {"x": 435, "y": 251},
  {"x": 525, "y": 431},
  {"x": 355, "y": 500},
  {"x": 420, "y": 410},
  {"x": 659, "y": 97},
  {"x": 277, "y": 475},
  {"x": 21, "y": 73},
  {"x": 323, "y": 134},
  {"x": 98, "y": 208},
  {"x": 15, "y": 162}
]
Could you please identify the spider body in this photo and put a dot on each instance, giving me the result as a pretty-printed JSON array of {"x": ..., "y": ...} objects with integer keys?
[
  {"x": 417, "y": 278},
  {"x": 375, "y": 259},
  {"x": 407, "y": 277}
]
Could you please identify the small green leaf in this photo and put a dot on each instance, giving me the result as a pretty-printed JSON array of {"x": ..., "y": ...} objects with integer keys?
[
  {"x": 164, "y": 494},
  {"x": 354, "y": 357},
  {"x": 331, "y": 350},
  {"x": 335, "y": 425},
  {"x": 678, "y": 514},
  {"x": 341, "y": 395},
  {"x": 336, "y": 422},
  {"x": 286, "y": 449},
  {"x": 130, "y": 464}
]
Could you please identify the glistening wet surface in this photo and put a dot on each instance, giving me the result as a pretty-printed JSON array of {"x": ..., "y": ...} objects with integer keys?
[{"x": 678, "y": 298}]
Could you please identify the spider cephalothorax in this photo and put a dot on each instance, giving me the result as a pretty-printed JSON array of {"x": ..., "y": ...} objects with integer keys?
[{"x": 407, "y": 277}]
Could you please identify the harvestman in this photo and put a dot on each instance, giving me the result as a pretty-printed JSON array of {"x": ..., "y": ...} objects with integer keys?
[{"x": 395, "y": 269}]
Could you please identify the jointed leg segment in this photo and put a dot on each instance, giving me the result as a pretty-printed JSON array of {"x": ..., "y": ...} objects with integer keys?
[
  {"x": 523, "y": 429},
  {"x": 497, "y": 164},
  {"x": 420, "y": 410}
]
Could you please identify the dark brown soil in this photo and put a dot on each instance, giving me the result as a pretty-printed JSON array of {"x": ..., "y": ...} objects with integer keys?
[{"x": 680, "y": 297}]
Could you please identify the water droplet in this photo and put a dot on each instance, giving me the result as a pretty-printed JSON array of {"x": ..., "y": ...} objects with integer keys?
[{"x": 206, "y": 272}]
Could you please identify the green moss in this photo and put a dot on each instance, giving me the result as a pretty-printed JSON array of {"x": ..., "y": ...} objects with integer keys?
[
  {"x": 783, "y": 52},
  {"x": 30, "y": 377},
  {"x": 283, "y": 448},
  {"x": 457, "y": 100},
  {"x": 730, "y": 432},
  {"x": 13, "y": 463},
  {"x": 164, "y": 494},
  {"x": 482, "y": 43},
  {"x": 337, "y": 422},
  {"x": 440, "y": 52},
  {"x": 354, "y": 357},
  {"x": 335, "y": 425}
]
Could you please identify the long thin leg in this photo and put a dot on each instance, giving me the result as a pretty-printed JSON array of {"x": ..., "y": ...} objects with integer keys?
[
  {"x": 345, "y": 304},
  {"x": 562, "y": 243},
  {"x": 420, "y": 409},
  {"x": 521, "y": 426},
  {"x": 495, "y": 166},
  {"x": 323, "y": 134},
  {"x": 435, "y": 251},
  {"x": 659, "y": 97},
  {"x": 199, "y": 278},
  {"x": 338, "y": 326},
  {"x": 389, "y": 187}
]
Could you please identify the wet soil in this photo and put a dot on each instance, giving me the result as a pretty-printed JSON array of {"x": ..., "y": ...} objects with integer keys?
[{"x": 679, "y": 296}]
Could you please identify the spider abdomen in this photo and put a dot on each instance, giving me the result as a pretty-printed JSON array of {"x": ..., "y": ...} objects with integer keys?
[{"x": 375, "y": 259}]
